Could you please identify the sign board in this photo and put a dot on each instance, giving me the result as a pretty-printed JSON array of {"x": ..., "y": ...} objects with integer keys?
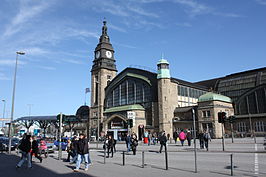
[{"x": 131, "y": 115}]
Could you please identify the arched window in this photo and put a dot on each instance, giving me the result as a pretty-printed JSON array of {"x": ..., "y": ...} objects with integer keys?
[{"x": 130, "y": 91}]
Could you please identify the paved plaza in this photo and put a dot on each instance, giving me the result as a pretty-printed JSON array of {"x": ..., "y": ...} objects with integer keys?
[{"x": 181, "y": 162}]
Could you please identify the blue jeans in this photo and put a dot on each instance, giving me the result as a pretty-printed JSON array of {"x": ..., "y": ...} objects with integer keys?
[
  {"x": 86, "y": 158},
  {"x": 128, "y": 147},
  {"x": 25, "y": 156}
]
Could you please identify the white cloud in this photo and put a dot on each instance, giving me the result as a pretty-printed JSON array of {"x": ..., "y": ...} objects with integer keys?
[
  {"x": 35, "y": 51},
  {"x": 11, "y": 62},
  {"x": 72, "y": 61},
  {"x": 47, "y": 68},
  {"x": 27, "y": 11},
  {"x": 4, "y": 77},
  {"x": 185, "y": 24},
  {"x": 116, "y": 28},
  {"x": 124, "y": 45},
  {"x": 141, "y": 11},
  {"x": 261, "y": 2}
]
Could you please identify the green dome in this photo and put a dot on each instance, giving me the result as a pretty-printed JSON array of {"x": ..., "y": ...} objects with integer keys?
[
  {"x": 210, "y": 96},
  {"x": 163, "y": 61}
]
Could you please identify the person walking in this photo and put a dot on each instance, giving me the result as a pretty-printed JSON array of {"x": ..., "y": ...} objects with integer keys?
[
  {"x": 189, "y": 137},
  {"x": 134, "y": 143},
  {"x": 175, "y": 135},
  {"x": 25, "y": 147},
  {"x": 149, "y": 138},
  {"x": 128, "y": 142},
  {"x": 35, "y": 149},
  {"x": 201, "y": 140},
  {"x": 182, "y": 137},
  {"x": 83, "y": 153},
  {"x": 206, "y": 138},
  {"x": 69, "y": 150},
  {"x": 74, "y": 149},
  {"x": 163, "y": 140},
  {"x": 110, "y": 146},
  {"x": 115, "y": 141},
  {"x": 43, "y": 148}
]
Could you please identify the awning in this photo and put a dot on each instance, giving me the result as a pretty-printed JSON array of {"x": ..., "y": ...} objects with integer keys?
[
  {"x": 124, "y": 108},
  {"x": 35, "y": 118},
  {"x": 183, "y": 109}
]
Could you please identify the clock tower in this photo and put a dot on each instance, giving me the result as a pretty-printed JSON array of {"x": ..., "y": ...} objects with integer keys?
[{"x": 102, "y": 72}]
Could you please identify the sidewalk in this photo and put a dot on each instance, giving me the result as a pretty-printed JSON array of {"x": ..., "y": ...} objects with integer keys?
[{"x": 181, "y": 163}]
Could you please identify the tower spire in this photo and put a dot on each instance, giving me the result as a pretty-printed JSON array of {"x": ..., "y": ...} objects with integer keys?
[{"x": 104, "y": 28}]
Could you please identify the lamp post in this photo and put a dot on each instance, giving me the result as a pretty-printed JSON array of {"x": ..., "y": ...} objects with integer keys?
[
  {"x": 13, "y": 102},
  {"x": 194, "y": 140},
  {"x": 4, "y": 110}
]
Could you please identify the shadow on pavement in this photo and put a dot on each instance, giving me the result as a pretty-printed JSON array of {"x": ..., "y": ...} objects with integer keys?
[
  {"x": 8, "y": 169},
  {"x": 180, "y": 169}
]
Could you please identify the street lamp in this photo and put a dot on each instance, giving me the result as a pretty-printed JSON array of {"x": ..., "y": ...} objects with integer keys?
[
  {"x": 13, "y": 101},
  {"x": 4, "y": 110}
]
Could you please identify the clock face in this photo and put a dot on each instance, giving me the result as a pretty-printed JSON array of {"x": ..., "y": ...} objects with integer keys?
[
  {"x": 97, "y": 54},
  {"x": 108, "y": 54}
]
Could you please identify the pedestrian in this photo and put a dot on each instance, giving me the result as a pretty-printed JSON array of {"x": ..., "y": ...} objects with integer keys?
[
  {"x": 155, "y": 139},
  {"x": 201, "y": 140},
  {"x": 74, "y": 149},
  {"x": 175, "y": 135},
  {"x": 182, "y": 137},
  {"x": 35, "y": 149},
  {"x": 149, "y": 138},
  {"x": 134, "y": 143},
  {"x": 168, "y": 137},
  {"x": 128, "y": 142},
  {"x": 115, "y": 141},
  {"x": 83, "y": 153},
  {"x": 110, "y": 146},
  {"x": 207, "y": 138},
  {"x": 69, "y": 151},
  {"x": 25, "y": 147},
  {"x": 163, "y": 140},
  {"x": 43, "y": 148},
  {"x": 189, "y": 137}
]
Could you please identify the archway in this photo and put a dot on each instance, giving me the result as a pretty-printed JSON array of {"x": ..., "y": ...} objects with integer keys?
[{"x": 116, "y": 126}]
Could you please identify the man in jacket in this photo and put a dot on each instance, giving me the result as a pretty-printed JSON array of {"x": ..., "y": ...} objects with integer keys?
[
  {"x": 163, "y": 140},
  {"x": 83, "y": 152},
  {"x": 128, "y": 142},
  {"x": 25, "y": 147}
]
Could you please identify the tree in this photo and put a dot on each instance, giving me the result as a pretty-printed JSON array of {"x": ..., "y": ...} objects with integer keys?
[
  {"x": 43, "y": 124},
  {"x": 26, "y": 123}
]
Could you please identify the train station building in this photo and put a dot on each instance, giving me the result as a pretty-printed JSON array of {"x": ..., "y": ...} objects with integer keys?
[{"x": 159, "y": 102}]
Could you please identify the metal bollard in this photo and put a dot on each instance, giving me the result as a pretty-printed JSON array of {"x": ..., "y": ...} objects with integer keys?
[
  {"x": 123, "y": 158},
  {"x": 104, "y": 153},
  {"x": 232, "y": 165},
  {"x": 143, "y": 159},
  {"x": 166, "y": 159}
]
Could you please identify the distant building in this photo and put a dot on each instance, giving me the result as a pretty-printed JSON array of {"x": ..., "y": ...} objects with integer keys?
[
  {"x": 158, "y": 102},
  {"x": 248, "y": 92}
]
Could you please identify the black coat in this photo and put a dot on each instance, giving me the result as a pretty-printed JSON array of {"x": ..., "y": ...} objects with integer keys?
[
  {"x": 189, "y": 137},
  {"x": 25, "y": 145},
  {"x": 110, "y": 143},
  {"x": 34, "y": 146},
  {"x": 82, "y": 146},
  {"x": 163, "y": 139}
]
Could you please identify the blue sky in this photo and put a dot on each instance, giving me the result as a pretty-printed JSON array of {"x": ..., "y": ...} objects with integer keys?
[{"x": 201, "y": 40}]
